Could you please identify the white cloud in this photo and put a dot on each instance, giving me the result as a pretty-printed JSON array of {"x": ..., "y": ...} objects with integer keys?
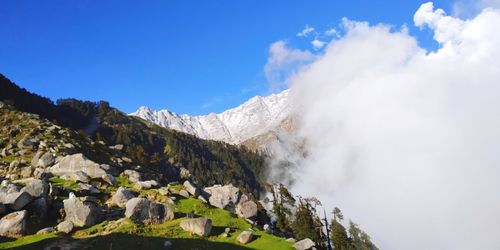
[
  {"x": 318, "y": 44},
  {"x": 306, "y": 31},
  {"x": 406, "y": 141},
  {"x": 331, "y": 32},
  {"x": 284, "y": 62}
]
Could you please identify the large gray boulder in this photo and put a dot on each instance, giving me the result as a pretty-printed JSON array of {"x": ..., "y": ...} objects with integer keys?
[
  {"x": 71, "y": 164},
  {"x": 144, "y": 211},
  {"x": 199, "y": 226},
  {"x": 13, "y": 225},
  {"x": 82, "y": 213},
  {"x": 121, "y": 197},
  {"x": 35, "y": 187},
  {"x": 224, "y": 197},
  {"x": 245, "y": 237},
  {"x": 191, "y": 188},
  {"x": 16, "y": 200},
  {"x": 304, "y": 244},
  {"x": 246, "y": 208}
]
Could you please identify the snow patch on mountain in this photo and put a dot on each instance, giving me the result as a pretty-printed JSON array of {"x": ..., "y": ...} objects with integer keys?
[{"x": 254, "y": 117}]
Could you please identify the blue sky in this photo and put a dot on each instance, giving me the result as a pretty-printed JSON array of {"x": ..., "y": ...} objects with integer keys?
[{"x": 191, "y": 57}]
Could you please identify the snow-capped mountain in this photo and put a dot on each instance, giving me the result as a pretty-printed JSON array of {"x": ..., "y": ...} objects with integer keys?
[{"x": 254, "y": 117}]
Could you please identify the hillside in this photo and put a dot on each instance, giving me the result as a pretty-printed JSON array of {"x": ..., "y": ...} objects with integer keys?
[{"x": 161, "y": 151}]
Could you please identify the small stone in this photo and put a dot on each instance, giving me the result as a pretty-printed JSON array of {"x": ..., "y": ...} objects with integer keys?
[
  {"x": 13, "y": 224},
  {"x": 167, "y": 244},
  {"x": 46, "y": 230},
  {"x": 184, "y": 193}
]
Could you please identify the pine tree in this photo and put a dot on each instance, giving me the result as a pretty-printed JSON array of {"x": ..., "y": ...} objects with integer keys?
[
  {"x": 359, "y": 239},
  {"x": 339, "y": 235},
  {"x": 307, "y": 223},
  {"x": 283, "y": 201}
]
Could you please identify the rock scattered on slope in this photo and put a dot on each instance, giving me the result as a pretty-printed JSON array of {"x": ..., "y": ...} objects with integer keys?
[
  {"x": 142, "y": 210},
  {"x": 71, "y": 164},
  {"x": 82, "y": 213},
  {"x": 13, "y": 225},
  {"x": 132, "y": 175},
  {"x": 145, "y": 185},
  {"x": 199, "y": 226},
  {"x": 245, "y": 237},
  {"x": 191, "y": 188},
  {"x": 224, "y": 197},
  {"x": 121, "y": 196},
  {"x": 246, "y": 208},
  {"x": 65, "y": 227},
  {"x": 304, "y": 244}
]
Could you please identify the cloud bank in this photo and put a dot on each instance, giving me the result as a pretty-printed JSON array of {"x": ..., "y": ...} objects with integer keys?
[{"x": 405, "y": 141}]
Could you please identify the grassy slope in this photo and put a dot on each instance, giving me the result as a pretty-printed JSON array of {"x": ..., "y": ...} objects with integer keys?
[{"x": 124, "y": 234}]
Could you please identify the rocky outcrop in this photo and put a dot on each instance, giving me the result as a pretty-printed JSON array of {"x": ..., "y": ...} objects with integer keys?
[
  {"x": 224, "y": 197},
  {"x": 144, "y": 211},
  {"x": 13, "y": 225},
  {"x": 199, "y": 226},
  {"x": 304, "y": 244},
  {"x": 121, "y": 197},
  {"x": 82, "y": 213},
  {"x": 71, "y": 164},
  {"x": 245, "y": 237}
]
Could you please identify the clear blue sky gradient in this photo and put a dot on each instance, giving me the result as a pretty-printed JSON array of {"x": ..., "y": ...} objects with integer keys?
[{"x": 191, "y": 57}]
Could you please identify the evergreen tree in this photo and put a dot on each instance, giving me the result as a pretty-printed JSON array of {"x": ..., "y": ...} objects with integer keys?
[
  {"x": 283, "y": 201},
  {"x": 307, "y": 223},
  {"x": 339, "y": 235},
  {"x": 359, "y": 239}
]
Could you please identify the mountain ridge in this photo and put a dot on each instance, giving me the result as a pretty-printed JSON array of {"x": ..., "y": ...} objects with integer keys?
[{"x": 256, "y": 116}]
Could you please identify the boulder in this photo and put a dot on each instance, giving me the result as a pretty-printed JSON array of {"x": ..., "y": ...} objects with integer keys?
[
  {"x": 13, "y": 225},
  {"x": 304, "y": 244},
  {"x": 184, "y": 173},
  {"x": 192, "y": 189},
  {"x": 121, "y": 197},
  {"x": 70, "y": 164},
  {"x": 35, "y": 187},
  {"x": 144, "y": 211},
  {"x": 132, "y": 175},
  {"x": 27, "y": 172},
  {"x": 292, "y": 240},
  {"x": 27, "y": 143},
  {"x": 224, "y": 197},
  {"x": 144, "y": 185},
  {"x": 167, "y": 244},
  {"x": 183, "y": 193},
  {"x": 43, "y": 159},
  {"x": 82, "y": 213},
  {"x": 65, "y": 227},
  {"x": 46, "y": 160},
  {"x": 17, "y": 200},
  {"x": 199, "y": 226},
  {"x": 245, "y": 237},
  {"x": 246, "y": 208}
]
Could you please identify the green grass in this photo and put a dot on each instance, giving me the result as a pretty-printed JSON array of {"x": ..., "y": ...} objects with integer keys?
[
  {"x": 125, "y": 234},
  {"x": 63, "y": 183},
  {"x": 27, "y": 241}
]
